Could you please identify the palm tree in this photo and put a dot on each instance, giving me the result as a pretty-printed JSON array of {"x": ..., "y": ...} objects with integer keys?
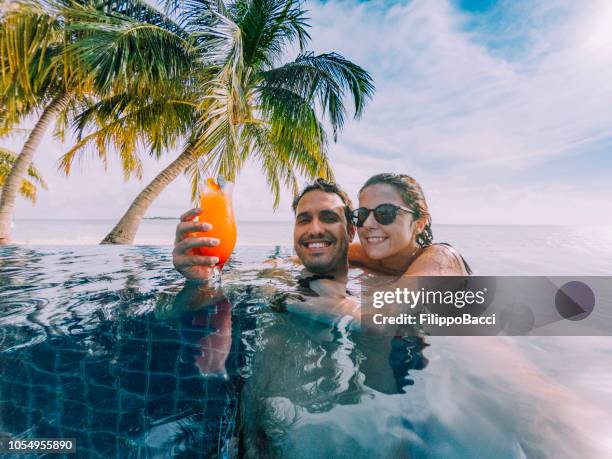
[
  {"x": 247, "y": 104},
  {"x": 30, "y": 82},
  {"x": 28, "y": 187},
  {"x": 44, "y": 71}
]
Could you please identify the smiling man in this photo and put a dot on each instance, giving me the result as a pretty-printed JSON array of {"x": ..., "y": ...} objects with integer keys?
[{"x": 323, "y": 228}]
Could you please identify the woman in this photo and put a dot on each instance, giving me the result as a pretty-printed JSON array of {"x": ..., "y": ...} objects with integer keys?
[{"x": 394, "y": 228}]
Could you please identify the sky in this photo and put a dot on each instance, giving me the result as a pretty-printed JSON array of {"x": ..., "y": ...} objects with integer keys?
[{"x": 502, "y": 110}]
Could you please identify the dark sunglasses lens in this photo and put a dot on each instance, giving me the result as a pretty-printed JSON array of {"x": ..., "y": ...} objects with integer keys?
[
  {"x": 360, "y": 216},
  {"x": 385, "y": 214}
]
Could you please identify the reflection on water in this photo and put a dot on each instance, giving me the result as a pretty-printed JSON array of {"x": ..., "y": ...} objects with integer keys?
[
  {"x": 84, "y": 356},
  {"x": 96, "y": 345}
]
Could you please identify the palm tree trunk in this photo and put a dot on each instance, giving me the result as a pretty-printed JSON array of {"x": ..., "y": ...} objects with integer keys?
[
  {"x": 125, "y": 230},
  {"x": 21, "y": 165}
]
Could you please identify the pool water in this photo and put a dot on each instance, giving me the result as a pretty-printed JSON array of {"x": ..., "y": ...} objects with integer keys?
[
  {"x": 96, "y": 346},
  {"x": 84, "y": 356}
]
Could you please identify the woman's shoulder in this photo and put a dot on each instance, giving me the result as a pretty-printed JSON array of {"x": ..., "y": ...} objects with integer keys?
[
  {"x": 455, "y": 253},
  {"x": 438, "y": 259},
  {"x": 441, "y": 249}
]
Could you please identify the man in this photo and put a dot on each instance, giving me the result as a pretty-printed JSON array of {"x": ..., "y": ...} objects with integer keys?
[
  {"x": 322, "y": 233},
  {"x": 323, "y": 229}
]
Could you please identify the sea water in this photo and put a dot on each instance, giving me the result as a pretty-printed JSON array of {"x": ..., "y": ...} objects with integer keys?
[{"x": 490, "y": 250}]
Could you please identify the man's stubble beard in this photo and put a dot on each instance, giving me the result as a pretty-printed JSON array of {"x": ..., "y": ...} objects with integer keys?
[{"x": 338, "y": 262}]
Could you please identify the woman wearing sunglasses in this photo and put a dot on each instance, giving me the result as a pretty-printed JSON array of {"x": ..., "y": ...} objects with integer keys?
[{"x": 394, "y": 228}]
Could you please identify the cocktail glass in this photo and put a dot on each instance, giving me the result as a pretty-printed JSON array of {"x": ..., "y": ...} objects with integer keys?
[{"x": 216, "y": 205}]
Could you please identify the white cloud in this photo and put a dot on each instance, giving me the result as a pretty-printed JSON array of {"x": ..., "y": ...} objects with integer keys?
[
  {"x": 466, "y": 119},
  {"x": 440, "y": 94}
]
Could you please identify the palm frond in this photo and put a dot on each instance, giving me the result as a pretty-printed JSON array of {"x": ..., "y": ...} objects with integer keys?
[
  {"x": 30, "y": 40},
  {"x": 269, "y": 27},
  {"x": 180, "y": 8},
  {"x": 124, "y": 52},
  {"x": 126, "y": 124},
  {"x": 328, "y": 78},
  {"x": 196, "y": 15},
  {"x": 222, "y": 41},
  {"x": 278, "y": 167},
  {"x": 28, "y": 188}
]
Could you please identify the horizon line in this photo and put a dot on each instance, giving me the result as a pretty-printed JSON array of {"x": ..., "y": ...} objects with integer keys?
[{"x": 574, "y": 225}]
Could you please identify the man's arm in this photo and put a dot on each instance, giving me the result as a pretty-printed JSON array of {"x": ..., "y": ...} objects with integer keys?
[
  {"x": 207, "y": 308},
  {"x": 192, "y": 298},
  {"x": 343, "y": 312}
]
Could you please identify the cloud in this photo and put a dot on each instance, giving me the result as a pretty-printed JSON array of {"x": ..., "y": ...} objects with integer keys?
[
  {"x": 450, "y": 108},
  {"x": 443, "y": 94},
  {"x": 478, "y": 106}
]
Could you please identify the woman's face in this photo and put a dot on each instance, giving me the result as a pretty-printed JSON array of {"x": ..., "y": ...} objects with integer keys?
[{"x": 382, "y": 241}]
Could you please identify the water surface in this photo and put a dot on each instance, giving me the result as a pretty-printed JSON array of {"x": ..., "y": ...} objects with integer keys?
[{"x": 93, "y": 347}]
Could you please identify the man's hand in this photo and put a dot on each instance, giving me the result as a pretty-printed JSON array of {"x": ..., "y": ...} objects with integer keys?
[{"x": 189, "y": 264}]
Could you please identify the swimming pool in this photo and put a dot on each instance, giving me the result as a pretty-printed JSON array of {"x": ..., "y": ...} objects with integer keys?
[{"x": 95, "y": 348}]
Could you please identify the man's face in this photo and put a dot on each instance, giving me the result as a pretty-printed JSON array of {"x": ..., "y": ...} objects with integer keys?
[{"x": 320, "y": 235}]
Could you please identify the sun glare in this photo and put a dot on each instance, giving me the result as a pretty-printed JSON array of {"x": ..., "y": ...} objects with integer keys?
[{"x": 598, "y": 31}]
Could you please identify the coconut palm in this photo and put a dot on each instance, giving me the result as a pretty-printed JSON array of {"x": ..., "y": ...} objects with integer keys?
[
  {"x": 28, "y": 187},
  {"x": 248, "y": 104},
  {"x": 30, "y": 82},
  {"x": 45, "y": 73}
]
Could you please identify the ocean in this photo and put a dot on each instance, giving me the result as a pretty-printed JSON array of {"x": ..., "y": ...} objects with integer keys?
[{"x": 490, "y": 250}]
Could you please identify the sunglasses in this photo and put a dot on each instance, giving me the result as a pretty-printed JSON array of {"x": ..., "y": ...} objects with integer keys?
[{"x": 384, "y": 214}]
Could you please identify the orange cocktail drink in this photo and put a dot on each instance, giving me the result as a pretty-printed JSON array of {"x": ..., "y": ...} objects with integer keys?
[{"x": 216, "y": 205}]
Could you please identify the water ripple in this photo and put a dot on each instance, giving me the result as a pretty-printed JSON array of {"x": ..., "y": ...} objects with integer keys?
[{"x": 83, "y": 352}]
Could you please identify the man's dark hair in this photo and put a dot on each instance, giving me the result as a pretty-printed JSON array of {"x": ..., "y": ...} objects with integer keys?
[{"x": 326, "y": 186}]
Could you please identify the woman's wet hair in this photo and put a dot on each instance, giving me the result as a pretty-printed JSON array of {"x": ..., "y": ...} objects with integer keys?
[{"x": 412, "y": 195}]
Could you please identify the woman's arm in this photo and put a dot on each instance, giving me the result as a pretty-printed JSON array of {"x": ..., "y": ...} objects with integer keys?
[
  {"x": 357, "y": 258},
  {"x": 435, "y": 260}
]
